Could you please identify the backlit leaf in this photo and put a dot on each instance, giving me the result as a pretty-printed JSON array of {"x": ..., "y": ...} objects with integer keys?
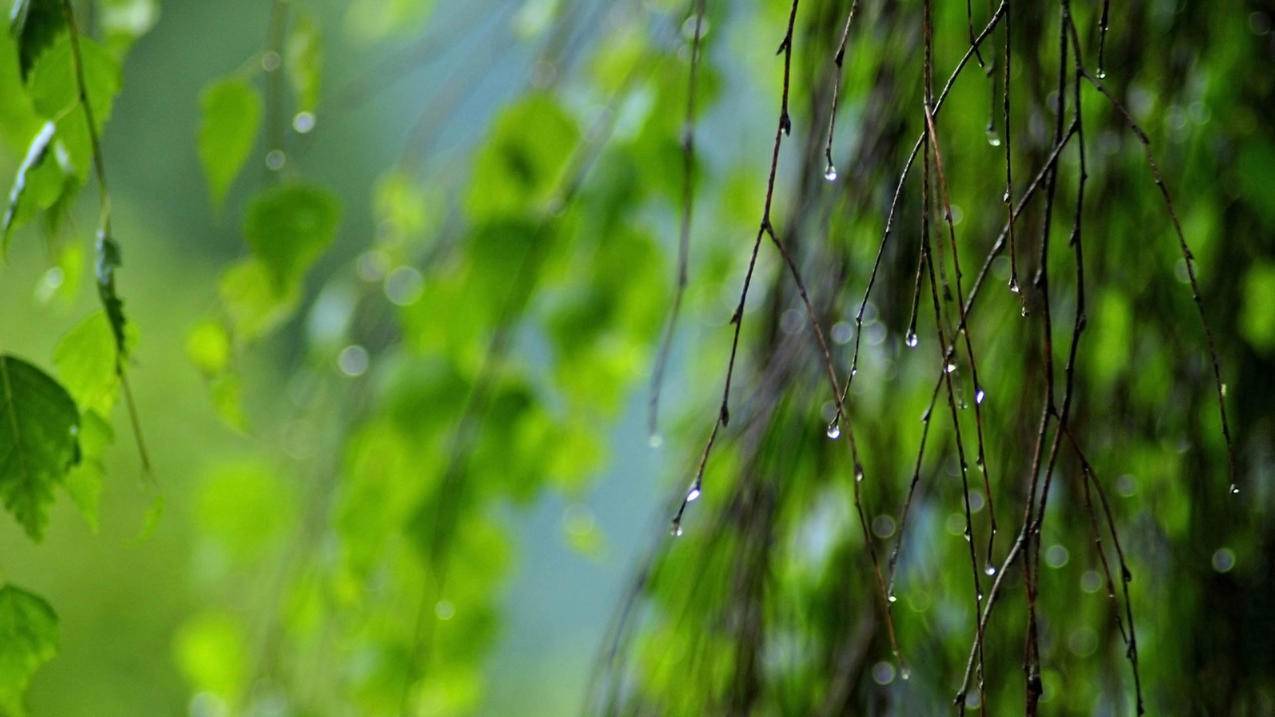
[
  {"x": 288, "y": 228},
  {"x": 28, "y": 639},
  {"x": 231, "y": 117}
]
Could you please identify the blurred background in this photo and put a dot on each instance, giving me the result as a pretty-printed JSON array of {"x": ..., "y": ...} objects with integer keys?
[{"x": 421, "y": 478}]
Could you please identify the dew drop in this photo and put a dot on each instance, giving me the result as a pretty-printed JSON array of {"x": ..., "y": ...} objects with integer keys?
[
  {"x": 1235, "y": 490},
  {"x": 910, "y": 340},
  {"x": 676, "y": 530},
  {"x": 949, "y": 368},
  {"x": 858, "y": 475},
  {"x": 993, "y": 137},
  {"x": 693, "y": 494},
  {"x": 966, "y": 535},
  {"x": 830, "y": 173},
  {"x": 990, "y": 570},
  {"x": 979, "y": 597},
  {"x": 979, "y": 395},
  {"x": 892, "y": 598},
  {"x": 1102, "y": 73},
  {"x": 1005, "y": 197},
  {"x": 1023, "y": 311},
  {"x": 1014, "y": 288},
  {"x": 905, "y": 672},
  {"x": 834, "y": 430},
  {"x": 1223, "y": 390}
]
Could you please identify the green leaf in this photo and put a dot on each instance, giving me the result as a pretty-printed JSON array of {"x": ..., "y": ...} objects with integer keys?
[
  {"x": 212, "y": 650},
  {"x": 36, "y": 153},
  {"x": 34, "y": 24},
  {"x": 86, "y": 360},
  {"x": 231, "y": 117},
  {"x": 254, "y": 303},
  {"x": 84, "y": 482},
  {"x": 28, "y": 639},
  {"x": 38, "y": 444},
  {"x": 208, "y": 347},
  {"x": 304, "y": 62},
  {"x": 519, "y": 168},
  {"x": 288, "y": 228},
  {"x": 56, "y": 95}
]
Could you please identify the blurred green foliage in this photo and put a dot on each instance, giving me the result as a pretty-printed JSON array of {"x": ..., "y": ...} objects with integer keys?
[{"x": 391, "y": 344}]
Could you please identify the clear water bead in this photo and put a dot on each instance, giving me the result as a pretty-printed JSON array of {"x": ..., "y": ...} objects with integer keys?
[
  {"x": 693, "y": 494},
  {"x": 979, "y": 395},
  {"x": 910, "y": 340},
  {"x": 834, "y": 430},
  {"x": 830, "y": 173},
  {"x": 990, "y": 570}
]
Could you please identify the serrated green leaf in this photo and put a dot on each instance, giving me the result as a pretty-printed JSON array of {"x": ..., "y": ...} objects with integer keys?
[
  {"x": 86, "y": 360},
  {"x": 55, "y": 94},
  {"x": 304, "y": 62},
  {"x": 38, "y": 441},
  {"x": 36, "y": 153},
  {"x": 231, "y": 118},
  {"x": 288, "y": 228},
  {"x": 28, "y": 639}
]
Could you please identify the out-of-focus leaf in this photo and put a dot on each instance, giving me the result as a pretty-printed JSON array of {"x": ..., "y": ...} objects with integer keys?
[
  {"x": 254, "y": 303},
  {"x": 208, "y": 347},
  {"x": 242, "y": 506},
  {"x": 212, "y": 651},
  {"x": 38, "y": 444},
  {"x": 28, "y": 639},
  {"x": 85, "y": 359},
  {"x": 374, "y": 19},
  {"x": 525, "y": 156},
  {"x": 304, "y": 62},
  {"x": 1257, "y": 320},
  {"x": 36, "y": 153},
  {"x": 123, "y": 21},
  {"x": 231, "y": 117},
  {"x": 288, "y": 228},
  {"x": 84, "y": 482}
]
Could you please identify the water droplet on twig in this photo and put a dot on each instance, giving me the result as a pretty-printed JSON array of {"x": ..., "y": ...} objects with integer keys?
[
  {"x": 830, "y": 173},
  {"x": 910, "y": 340},
  {"x": 693, "y": 494},
  {"x": 993, "y": 137},
  {"x": 979, "y": 395},
  {"x": 834, "y": 430}
]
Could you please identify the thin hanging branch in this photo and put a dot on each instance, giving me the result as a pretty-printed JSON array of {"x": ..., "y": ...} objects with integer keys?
[
  {"x": 684, "y": 231},
  {"x": 830, "y": 171},
  {"x": 1188, "y": 259},
  {"x": 723, "y": 413},
  {"x": 107, "y": 249},
  {"x": 898, "y": 193}
]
